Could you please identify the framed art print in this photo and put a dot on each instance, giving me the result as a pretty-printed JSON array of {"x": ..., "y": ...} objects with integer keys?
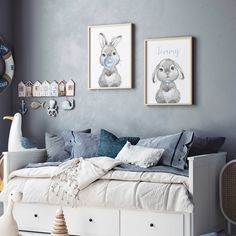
[
  {"x": 168, "y": 71},
  {"x": 110, "y": 56}
]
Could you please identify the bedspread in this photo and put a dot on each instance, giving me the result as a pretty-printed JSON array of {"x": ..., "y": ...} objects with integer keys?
[{"x": 116, "y": 189}]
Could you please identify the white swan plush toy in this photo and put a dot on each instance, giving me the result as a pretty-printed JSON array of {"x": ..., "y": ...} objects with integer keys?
[
  {"x": 8, "y": 225},
  {"x": 16, "y": 141}
]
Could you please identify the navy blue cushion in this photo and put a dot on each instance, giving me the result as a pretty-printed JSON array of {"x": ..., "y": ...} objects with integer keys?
[
  {"x": 176, "y": 148},
  {"x": 206, "y": 145},
  {"x": 110, "y": 145}
]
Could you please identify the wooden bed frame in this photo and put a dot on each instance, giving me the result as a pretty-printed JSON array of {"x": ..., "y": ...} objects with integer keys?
[{"x": 204, "y": 173}]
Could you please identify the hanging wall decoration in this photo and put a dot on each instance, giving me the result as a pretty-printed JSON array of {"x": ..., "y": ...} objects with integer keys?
[
  {"x": 54, "y": 89},
  {"x": 53, "y": 108},
  {"x": 46, "y": 89},
  {"x": 37, "y": 89},
  {"x": 61, "y": 88},
  {"x": 168, "y": 71},
  {"x": 36, "y": 105},
  {"x": 21, "y": 89},
  {"x": 110, "y": 56},
  {"x": 23, "y": 109},
  {"x": 6, "y": 55},
  {"x": 70, "y": 88},
  {"x": 68, "y": 104},
  {"x": 29, "y": 89}
]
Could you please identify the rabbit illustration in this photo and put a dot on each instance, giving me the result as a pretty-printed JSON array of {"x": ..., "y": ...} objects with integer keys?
[
  {"x": 109, "y": 58},
  {"x": 167, "y": 71}
]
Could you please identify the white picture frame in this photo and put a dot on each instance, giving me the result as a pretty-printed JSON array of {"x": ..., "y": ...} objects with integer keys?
[
  {"x": 168, "y": 71},
  {"x": 110, "y": 56}
]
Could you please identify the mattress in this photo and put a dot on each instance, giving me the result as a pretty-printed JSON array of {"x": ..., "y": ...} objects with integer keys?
[{"x": 155, "y": 191}]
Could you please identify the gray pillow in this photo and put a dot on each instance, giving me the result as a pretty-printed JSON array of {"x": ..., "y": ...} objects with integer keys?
[
  {"x": 206, "y": 145},
  {"x": 86, "y": 145},
  {"x": 176, "y": 148},
  {"x": 59, "y": 146},
  {"x": 55, "y": 144}
]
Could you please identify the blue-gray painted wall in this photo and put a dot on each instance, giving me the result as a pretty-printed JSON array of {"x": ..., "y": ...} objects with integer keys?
[
  {"x": 50, "y": 40},
  {"x": 5, "y": 97}
]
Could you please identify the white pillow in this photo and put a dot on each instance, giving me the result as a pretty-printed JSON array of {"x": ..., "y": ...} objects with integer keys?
[{"x": 140, "y": 156}]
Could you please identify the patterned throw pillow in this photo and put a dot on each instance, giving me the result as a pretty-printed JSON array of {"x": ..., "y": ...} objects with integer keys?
[{"x": 140, "y": 156}]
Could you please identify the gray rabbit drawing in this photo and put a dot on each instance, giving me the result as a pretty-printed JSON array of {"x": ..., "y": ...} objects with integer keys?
[
  {"x": 109, "y": 59},
  {"x": 167, "y": 71}
]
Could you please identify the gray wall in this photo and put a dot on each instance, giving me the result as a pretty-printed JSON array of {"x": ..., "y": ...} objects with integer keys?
[
  {"x": 5, "y": 97},
  {"x": 50, "y": 38}
]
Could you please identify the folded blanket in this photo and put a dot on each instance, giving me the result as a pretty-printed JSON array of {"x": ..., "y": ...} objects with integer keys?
[{"x": 75, "y": 175}]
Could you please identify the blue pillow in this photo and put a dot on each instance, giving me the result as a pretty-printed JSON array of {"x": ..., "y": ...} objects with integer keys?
[
  {"x": 110, "y": 145},
  {"x": 86, "y": 145},
  {"x": 69, "y": 138},
  {"x": 176, "y": 148}
]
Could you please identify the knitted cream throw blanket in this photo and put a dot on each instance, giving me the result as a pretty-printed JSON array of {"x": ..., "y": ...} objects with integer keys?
[{"x": 76, "y": 174}]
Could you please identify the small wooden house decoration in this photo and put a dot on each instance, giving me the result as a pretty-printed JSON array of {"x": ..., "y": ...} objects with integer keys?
[
  {"x": 45, "y": 89},
  {"x": 54, "y": 89},
  {"x": 70, "y": 88},
  {"x": 37, "y": 89},
  {"x": 62, "y": 88},
  {"x": 21, "y": 89},
  {"x": 29, "y": 88}
]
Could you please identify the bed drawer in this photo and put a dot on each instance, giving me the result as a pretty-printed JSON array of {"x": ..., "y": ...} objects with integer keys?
[
  {"x": 151, "y": 224},
  {"x": 34, "y": 217},
  {"x": 93, "y": 221},
  {"x": 80, "y": 221}
]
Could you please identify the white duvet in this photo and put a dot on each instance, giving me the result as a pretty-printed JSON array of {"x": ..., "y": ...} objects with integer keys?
[{"x": 153, "y": 191}]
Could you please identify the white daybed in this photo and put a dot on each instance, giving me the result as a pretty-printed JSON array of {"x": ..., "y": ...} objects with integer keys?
[{"x": 85, "y": 221}]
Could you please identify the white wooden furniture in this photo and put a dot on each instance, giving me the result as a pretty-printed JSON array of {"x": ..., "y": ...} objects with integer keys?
[
  {"x": 32, "y": 234},
  {"x": 84, "y": 221}
]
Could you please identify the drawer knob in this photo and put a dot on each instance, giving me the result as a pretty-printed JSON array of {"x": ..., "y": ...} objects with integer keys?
[
  {"x": 35, "y": 215},
  {"x": 90, "y": 220},
  {"x": 151, "y": 225}
]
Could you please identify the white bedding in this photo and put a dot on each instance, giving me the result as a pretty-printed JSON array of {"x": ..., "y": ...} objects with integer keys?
[{"x": 116, "y": 189}]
